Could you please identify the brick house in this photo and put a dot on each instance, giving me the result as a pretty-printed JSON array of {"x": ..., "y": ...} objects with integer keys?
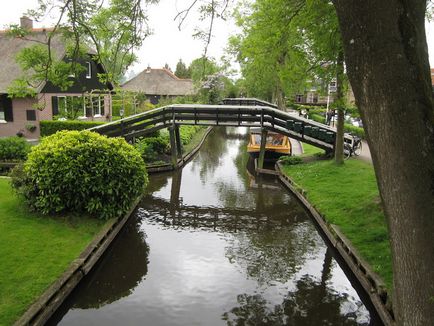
[
  {"x": 159, "y": 83},
  {"x": 17, "y": 115}
]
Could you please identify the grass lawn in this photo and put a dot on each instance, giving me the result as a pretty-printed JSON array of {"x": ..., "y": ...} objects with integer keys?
[
  {"x": 348, "y": 197},
  {"x": 309, "y": 150},
  {"x": 195, "y": 140},
  {"x": 34, "y": 250}
]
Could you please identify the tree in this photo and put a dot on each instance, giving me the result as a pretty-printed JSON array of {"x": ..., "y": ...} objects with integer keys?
[
  {"x": 281, "y": 51},
  {"x": 181, "y": 70},
  {"x": 202, "y": 67},
  {"x": 114, "y": 31},
  {"x": 267, "y": 49},
  {"x": 387, "y": 64}
]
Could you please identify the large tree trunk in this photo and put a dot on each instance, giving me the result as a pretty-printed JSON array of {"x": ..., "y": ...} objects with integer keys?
[
  {"x": 387, "y": 62},
  {"x": 339, "y": 142}
]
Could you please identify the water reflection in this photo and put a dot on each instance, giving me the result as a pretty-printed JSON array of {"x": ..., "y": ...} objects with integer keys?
[
  {"x": 311, "y": 303},
  {"x": 224, "y": 247},
  {"x": 115, "y": 277}
]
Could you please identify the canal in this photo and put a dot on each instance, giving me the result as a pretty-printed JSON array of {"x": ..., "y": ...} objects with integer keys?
[{"x": 212, "y": 245}]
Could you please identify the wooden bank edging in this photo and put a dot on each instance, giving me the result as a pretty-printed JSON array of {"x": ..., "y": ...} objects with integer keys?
[
  {"x": 181, "y": 162},
  {"x": 44, "y": 307},
  {"x": 369, "y": 280}
]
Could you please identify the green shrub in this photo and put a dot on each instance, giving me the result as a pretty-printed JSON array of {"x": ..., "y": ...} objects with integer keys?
[
  {"x": 187, "y": 132},
  {"x": 49, "y": 127},
  {"x": 360, "y": 132},
  {"x": 291, "y": 160},
  {"x": 150, "y": 147},
  {"x": 317, "y": 118},
  {"x": 13, "y": 149},
  {"x": 82, "y": 172}
]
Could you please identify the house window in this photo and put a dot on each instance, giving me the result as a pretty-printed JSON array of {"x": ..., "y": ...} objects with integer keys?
[
  {"x": 89, "y": 70},
  {"x": 62, "y": 105},
  {"x": 99, "y": 106},
  {"x": 6, "y": 113},
  {"x": 31, "y": 115},
  {"x": 309, "y": 97},
  {"x": 299, "y": 98}
]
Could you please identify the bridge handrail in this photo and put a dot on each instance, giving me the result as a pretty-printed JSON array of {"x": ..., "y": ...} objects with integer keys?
[{"x": 202, "y": 114}]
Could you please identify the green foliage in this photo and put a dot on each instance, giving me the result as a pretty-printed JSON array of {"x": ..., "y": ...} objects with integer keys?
[
  {"x": 130, "y": 102},
  {"x": 309, "y": 150},
  {"x": 39, "y": 64},
  {"x": 202, "y": 67},
  {"x": 360, "y": 132},
  {"x": 187, "y": 133},
  {"x": 286, "y": 47},
  {"x": 49, "y": 127},
  {"x": 181, "y": 70},
  {"x": 34, "y": 251},
  {"x": 83, "y": 172},
  {"x": 151, "y": 147},
  {"x": 13, "y": 149},
  {"x": 115, "y": 30},
  {"x": 291, "y": 160},
  {"x": 191, "y": 99},
  {"x": 317, "y": 117}
]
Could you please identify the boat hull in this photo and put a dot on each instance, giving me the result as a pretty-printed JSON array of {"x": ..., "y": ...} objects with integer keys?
[{"x": 276, "y": 146}]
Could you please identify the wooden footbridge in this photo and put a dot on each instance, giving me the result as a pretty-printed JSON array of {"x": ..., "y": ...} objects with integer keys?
[{"x": 239, "y": 112}]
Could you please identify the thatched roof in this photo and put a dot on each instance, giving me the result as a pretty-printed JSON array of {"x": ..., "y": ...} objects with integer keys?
[
  {"x": 159, "y": 82},
  {"x": 11, "y": 46}
]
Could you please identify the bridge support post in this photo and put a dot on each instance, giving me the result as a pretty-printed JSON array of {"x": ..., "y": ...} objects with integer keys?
[
  {"x": 174, "y": 156},
  {"x": 175, "y": 189},
  {"x": 178, "y": 142},
  {"x": 264, "y": 134}
]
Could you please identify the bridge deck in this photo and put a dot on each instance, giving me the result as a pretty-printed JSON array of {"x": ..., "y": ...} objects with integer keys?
[{"x": 308, "y": 131}]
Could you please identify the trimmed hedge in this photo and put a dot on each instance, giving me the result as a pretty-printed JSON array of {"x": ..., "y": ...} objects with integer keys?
[
  {"x": 81, "y": 172},
  {"x": 291, "y": 160},
  {"x": 360, "y": 132},
  {"x": 13, "y": 149},
  {"x": 50, "y": 127}
]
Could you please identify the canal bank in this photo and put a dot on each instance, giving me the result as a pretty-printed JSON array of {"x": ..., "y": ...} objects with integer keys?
[
  {"x": 210, "y": 244},
  {"x": 372, "y": 284},
  {"x": 42, "y": 309}
]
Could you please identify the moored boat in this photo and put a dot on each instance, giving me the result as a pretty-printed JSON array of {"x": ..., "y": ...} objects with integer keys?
[{"x": 276, "y": 146}]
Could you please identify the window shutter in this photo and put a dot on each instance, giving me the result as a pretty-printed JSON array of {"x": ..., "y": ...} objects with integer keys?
[
  {"x": 31, "y": 115},
  {"x": 55, "y": 105},
  {"x": 7, "y": 104}
]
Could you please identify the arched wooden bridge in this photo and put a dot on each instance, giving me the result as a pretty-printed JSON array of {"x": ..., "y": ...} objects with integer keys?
[{"x": 234, "y": 112}]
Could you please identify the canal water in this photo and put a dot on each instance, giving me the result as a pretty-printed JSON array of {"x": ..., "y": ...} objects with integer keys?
[{"x": 213, "y": 245}]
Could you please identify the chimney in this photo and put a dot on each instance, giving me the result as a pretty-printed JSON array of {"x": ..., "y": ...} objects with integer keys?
[{"x": 26, "y": 22}]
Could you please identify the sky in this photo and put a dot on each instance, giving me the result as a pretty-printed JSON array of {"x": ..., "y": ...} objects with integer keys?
[{"x": 167, "y": 44}]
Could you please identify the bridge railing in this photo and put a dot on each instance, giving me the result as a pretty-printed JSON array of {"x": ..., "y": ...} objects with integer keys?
[{"x": 222, "y": 115}]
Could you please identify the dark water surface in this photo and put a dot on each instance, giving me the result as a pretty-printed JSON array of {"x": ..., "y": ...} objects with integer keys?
[{"x": 212, "y": 245}]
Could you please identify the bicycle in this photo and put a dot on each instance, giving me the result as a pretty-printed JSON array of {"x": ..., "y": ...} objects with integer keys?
[{"x": 352, "y": 146}]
